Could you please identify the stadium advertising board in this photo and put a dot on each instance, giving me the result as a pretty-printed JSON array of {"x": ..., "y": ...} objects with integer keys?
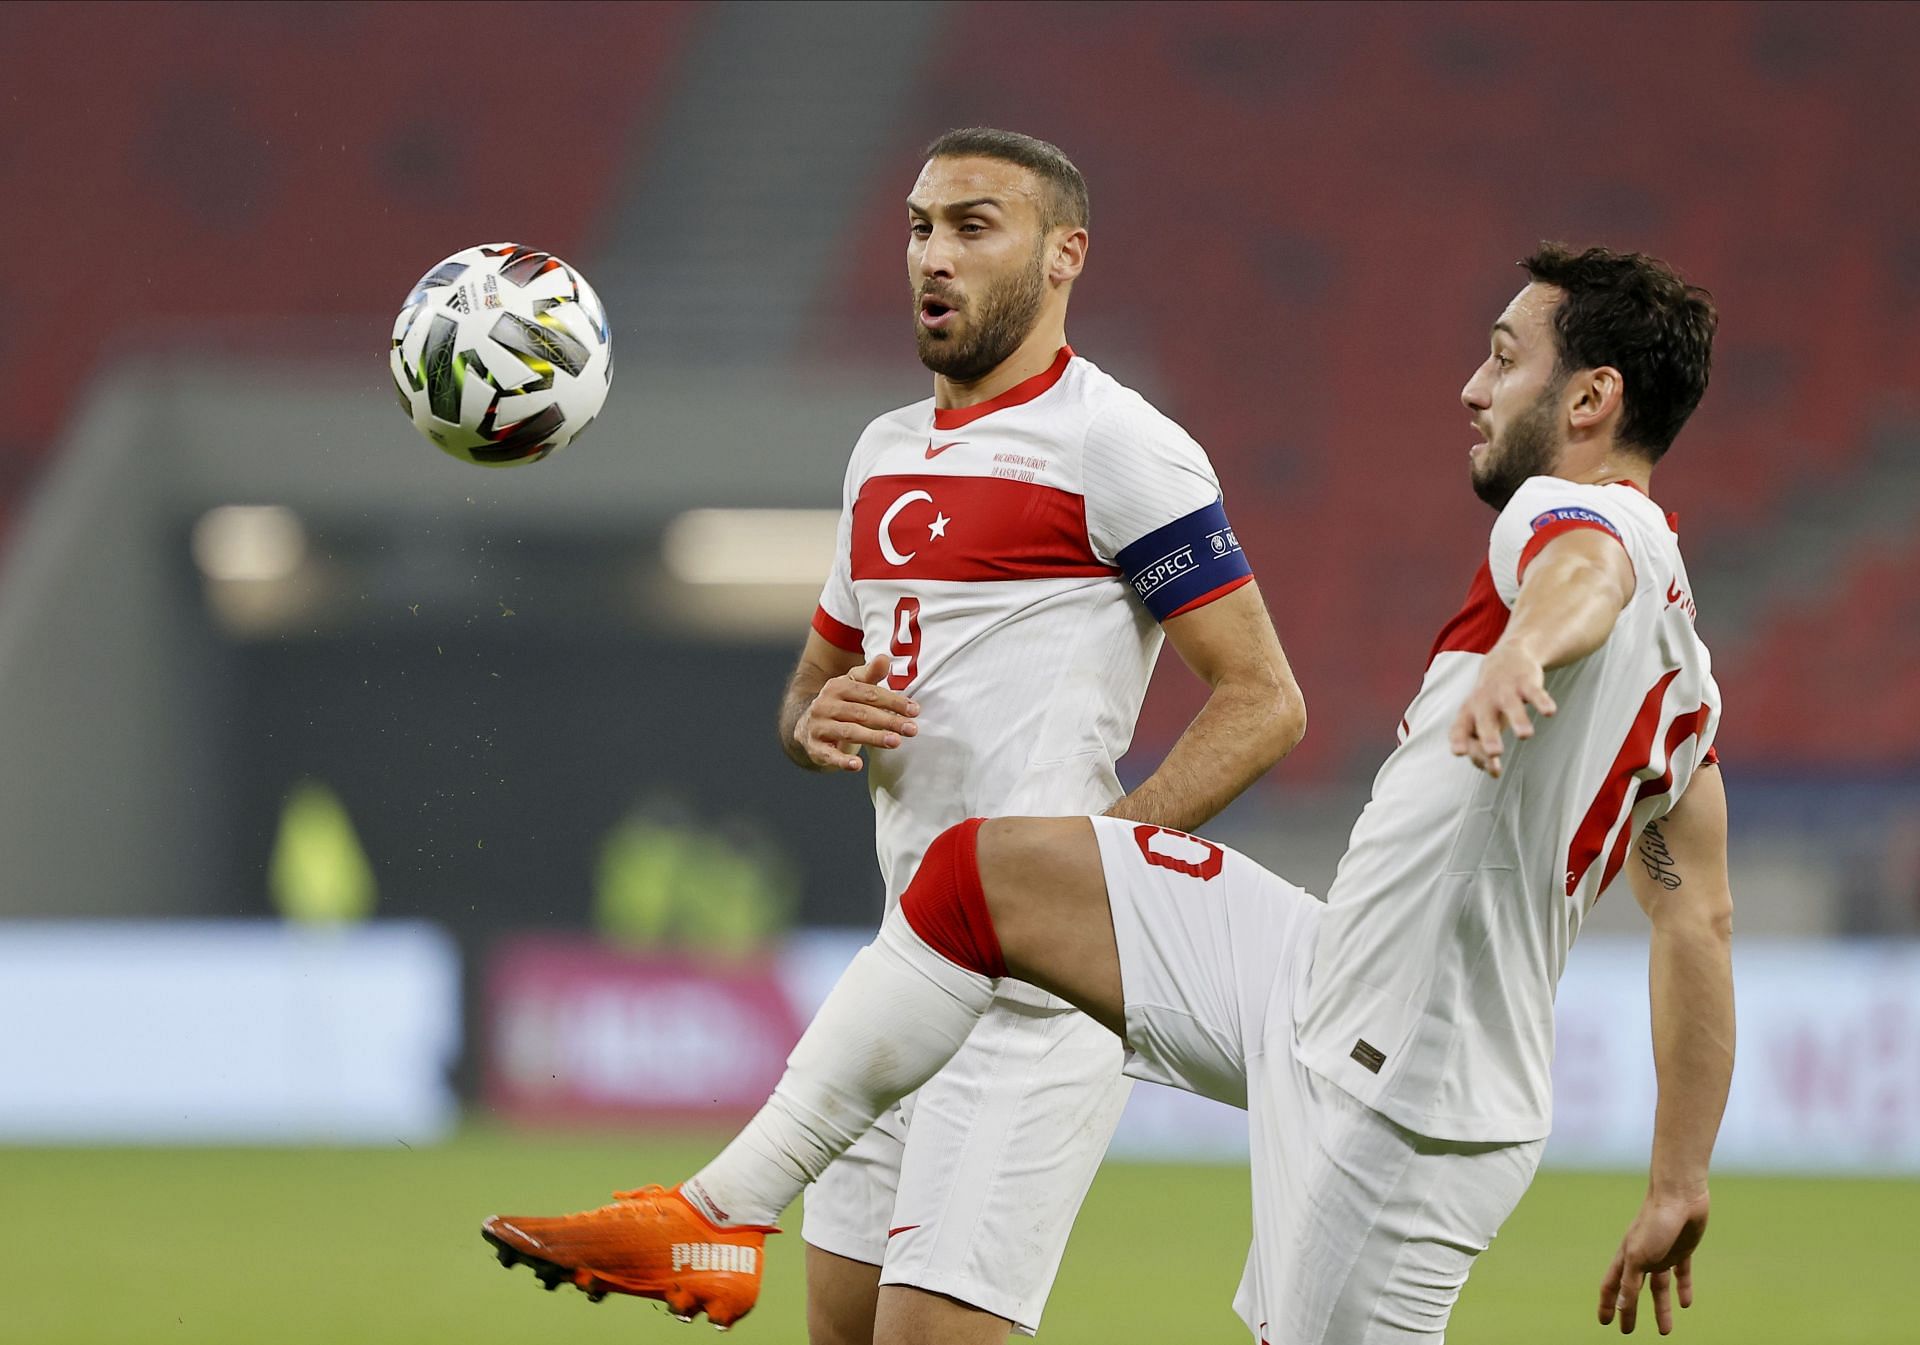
[
  {"x": 227, "y": 1031},
  {"x": 1828, "y": 1077},
  {"x": 577, "y": 1032}
]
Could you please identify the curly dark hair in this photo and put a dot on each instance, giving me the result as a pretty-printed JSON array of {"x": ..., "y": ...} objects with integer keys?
[
  {"x": 1634, "y": 313},
  {"x": 1066, "y": 201}
]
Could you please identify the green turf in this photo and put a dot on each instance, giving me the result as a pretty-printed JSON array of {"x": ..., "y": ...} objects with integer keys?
[{"x": 218, "y": 1245}]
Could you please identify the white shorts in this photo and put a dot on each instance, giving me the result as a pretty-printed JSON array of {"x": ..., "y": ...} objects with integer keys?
[
  {"x": 1363, "y": 1231},
  {"x": 970, "y": 1187}
]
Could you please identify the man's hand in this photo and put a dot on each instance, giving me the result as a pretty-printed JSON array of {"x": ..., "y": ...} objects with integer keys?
[
  {"x": 1658, "y": 1250},
  {"x": 1511, "y": 680},
  {"x": 1680, "y": 880},
  {"x": 1569, "y": 599},
  {"x": 854, "y": 710}
]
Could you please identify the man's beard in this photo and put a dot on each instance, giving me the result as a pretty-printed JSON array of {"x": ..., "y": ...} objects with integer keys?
[
  {"x": 994, "y": 328},
  {"x": 1527, "y": 448}
]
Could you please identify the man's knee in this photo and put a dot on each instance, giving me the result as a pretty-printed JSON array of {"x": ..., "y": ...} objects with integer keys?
[
  {"x": 1046, "y": 891},
  {"x": 1022, "y": 896},
  {"x": 945, "y": 906}
]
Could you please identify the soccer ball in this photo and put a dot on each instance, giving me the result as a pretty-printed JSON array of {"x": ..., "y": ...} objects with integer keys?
[{"x": 502, "y": 355}]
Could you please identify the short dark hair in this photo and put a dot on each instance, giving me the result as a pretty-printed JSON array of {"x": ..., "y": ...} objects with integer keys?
[
  {"x": 1635, "y": 313},
  {"x": 1065, "y": 200}
]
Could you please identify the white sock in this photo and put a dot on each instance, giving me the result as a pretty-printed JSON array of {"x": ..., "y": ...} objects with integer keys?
[{"x": 897, "y": 1014}]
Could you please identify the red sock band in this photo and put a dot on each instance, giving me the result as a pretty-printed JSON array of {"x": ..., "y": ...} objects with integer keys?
[{"x": 946, "y": 907}]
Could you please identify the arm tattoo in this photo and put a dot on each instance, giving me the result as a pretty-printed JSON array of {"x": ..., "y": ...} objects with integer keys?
[{"x": 1657, "y": 858}]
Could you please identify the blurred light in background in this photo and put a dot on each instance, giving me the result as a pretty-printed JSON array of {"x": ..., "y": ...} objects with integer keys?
[
  {"x": 255, "y": 560},
  {"x": 742, "y": 574},
  {"x": 751, "y": 546},
  {"x": 256, "y": 543}
]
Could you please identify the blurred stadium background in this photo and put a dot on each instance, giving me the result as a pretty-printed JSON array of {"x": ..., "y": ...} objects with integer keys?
[{"x": 388, "y": 841}]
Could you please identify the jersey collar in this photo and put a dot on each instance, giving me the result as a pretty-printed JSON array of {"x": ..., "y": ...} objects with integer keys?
[
  {"x": 1673, "y": 518},
  {"x": 953, "y": 417}
]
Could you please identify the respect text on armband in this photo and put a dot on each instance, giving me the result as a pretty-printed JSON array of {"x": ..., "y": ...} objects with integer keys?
[{"x": 1184, "y": 560}]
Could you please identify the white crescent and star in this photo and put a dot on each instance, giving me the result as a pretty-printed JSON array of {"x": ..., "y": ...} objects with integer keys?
[{"x": 935, "y": 529}]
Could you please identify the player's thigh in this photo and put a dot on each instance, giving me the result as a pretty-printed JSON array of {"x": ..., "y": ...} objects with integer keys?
[
  {"x": 842, "y": 1299},
  {"x": 1044, "y": 889},
  {"x": 1207, "y": 943}
]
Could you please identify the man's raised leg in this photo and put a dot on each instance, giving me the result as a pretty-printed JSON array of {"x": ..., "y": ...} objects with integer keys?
[{"x": 900, "y": 1011}]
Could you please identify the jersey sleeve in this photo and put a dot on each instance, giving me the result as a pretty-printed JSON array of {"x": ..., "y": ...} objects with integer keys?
[
  {"x": 837, "y": 616},
  {"x": 1542, "y": 509},
  {"x": 1154, "y": 510}
]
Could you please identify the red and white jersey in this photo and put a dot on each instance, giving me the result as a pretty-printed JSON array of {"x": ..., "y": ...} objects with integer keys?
[
  {"x": 1014, "y": 558},
  {"x": 1449, "y": 922}
]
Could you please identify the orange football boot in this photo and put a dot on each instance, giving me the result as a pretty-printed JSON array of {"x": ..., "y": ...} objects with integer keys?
[{"x": 651, "y": 1243}]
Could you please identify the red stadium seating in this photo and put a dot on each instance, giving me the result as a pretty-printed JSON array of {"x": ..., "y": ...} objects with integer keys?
[
  {"x": 238, "y": 161},
  {"x": 1835, "y": 677},
  {"x": 1306, "y": 216}
]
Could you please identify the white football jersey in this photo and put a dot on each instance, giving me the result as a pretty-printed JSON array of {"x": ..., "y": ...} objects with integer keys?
[
  {"x": 1450, "y": 919},
  {"x": 1013, "y": 558}
]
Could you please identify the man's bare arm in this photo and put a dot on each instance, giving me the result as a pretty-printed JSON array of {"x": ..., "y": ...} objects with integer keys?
[
  {"x": 1254, "y": 714},
  {"x": 1679, "y": 877},
  {"x": 834, "y": 703},
  {"x": 1572, "y": 594}
]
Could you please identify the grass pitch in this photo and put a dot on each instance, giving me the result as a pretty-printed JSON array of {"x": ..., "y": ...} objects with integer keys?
[{"x": 219, "y": 1246}]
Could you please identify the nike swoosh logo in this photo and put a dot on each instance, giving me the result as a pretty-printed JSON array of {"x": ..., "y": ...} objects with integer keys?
[
  {"x": 904, "y": 1228},
  {"x": 933, "y": 452},
  {"x": 1673, "y": 590}
]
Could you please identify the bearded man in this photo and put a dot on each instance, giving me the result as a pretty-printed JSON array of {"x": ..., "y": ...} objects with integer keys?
[{"x": 1011, "y": 552}]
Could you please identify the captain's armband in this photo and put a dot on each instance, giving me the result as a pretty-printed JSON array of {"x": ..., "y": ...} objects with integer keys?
[{"x": 1186, "y": 563}]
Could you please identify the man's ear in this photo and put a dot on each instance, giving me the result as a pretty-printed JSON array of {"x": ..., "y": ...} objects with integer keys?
[
  {"x": 1068, "y": 255},
  {"x": 1594, "y": 396}
]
